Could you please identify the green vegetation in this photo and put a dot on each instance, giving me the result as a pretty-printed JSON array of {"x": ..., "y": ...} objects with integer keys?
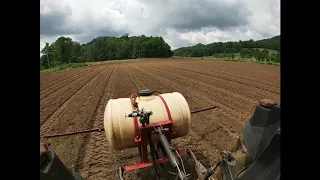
[
  {"x": 212, "y": 58},
  {"x": 261, "y": 50},
  {"x": 65, "y": 50},
  {"x": 62, "y": 67},
  {"x": 65, "y": 53}
]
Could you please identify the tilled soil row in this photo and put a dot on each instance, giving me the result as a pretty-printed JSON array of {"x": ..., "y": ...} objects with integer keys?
[
  {"x": 80, "y": 116},
  {"x": 57, "y": 86},
  {"x": 238, "y": 69},
  {"x": 251, "y": 74},
  {"x": 227, "y": 79},
  {"x": 248, "y": 71},
  {"x": 135, "y": 80},
  {"x": 54, "y": 123},
  {"x": 94, "y": 147},
  {"x": 235, "y": 73},
  {"x": 48, "y": 80},
  {"x": 61, "y": 98},
  {"x": 80, "y": 104},
  {"x": 240, "y": 90},
  {"x": 100, "y": 160}
]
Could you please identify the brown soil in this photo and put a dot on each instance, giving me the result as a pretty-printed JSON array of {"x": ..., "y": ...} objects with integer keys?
[{"x": 75, "y": 99}]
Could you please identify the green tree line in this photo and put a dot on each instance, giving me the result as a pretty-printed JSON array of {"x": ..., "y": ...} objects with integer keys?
[
  {"x": 260, "y": 55},
  {"x": 64, "y": 50},
  {"x": 245, "y": 48}
]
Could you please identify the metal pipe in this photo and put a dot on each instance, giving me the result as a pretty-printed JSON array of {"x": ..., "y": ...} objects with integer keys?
[
  {"x": 75, "y": 132},
  {"x": 172, "y": 158},
  {"x": 102, "y": 129},
  {"x": 166, "y": 146},
  {"x": 200, "y": 110},
  {"x": 153, "y": 155}
]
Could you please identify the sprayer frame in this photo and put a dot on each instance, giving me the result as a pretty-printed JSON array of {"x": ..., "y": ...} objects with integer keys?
[
  {"x": 141, "y": 138},
  {"x": 143, "y": 144}
]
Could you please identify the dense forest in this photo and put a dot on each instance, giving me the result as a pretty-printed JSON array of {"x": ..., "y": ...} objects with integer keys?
[
  {"x": 64, "y": 50},
  {"x": 247, "y": 49}
]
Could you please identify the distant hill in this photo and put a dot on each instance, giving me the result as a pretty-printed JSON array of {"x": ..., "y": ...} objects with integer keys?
[{"x": 201, "y": 50}]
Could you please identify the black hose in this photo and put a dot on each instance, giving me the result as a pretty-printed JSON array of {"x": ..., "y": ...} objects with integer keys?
[
  {"x": 135, "y": 104},
  {"x": 211, "y": 170},
  {"x": 153, "y": 154},
  {"x": 241, "y": 172}
]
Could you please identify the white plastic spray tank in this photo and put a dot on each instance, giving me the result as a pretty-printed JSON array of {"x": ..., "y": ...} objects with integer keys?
[{"x": 120, "y": 129}]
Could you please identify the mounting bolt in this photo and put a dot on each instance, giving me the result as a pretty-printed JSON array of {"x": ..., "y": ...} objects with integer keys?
[{"x": 267, "y": 103}]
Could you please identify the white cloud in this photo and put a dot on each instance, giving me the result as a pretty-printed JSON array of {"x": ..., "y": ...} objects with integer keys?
[
  {"x": 265, "y": 17},
  {"x": 195, "y": 37},
  {"x": 180, "y": 22}
]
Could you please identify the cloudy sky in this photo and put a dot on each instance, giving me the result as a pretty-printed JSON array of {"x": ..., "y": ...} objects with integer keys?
[{"x": 179, "y": 22}]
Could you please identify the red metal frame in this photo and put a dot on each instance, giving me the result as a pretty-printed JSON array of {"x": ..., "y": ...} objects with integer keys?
[
  {"x": 142, "y": 139},
  {"x": 147, "y": 164},
  {"x": 143, "y": 144}
]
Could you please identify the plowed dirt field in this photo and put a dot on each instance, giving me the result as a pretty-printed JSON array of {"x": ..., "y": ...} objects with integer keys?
[{"x": 75, "y": 99}]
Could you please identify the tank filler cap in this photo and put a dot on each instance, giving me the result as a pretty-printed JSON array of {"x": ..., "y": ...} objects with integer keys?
[{"x": 146, "y": 92}]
